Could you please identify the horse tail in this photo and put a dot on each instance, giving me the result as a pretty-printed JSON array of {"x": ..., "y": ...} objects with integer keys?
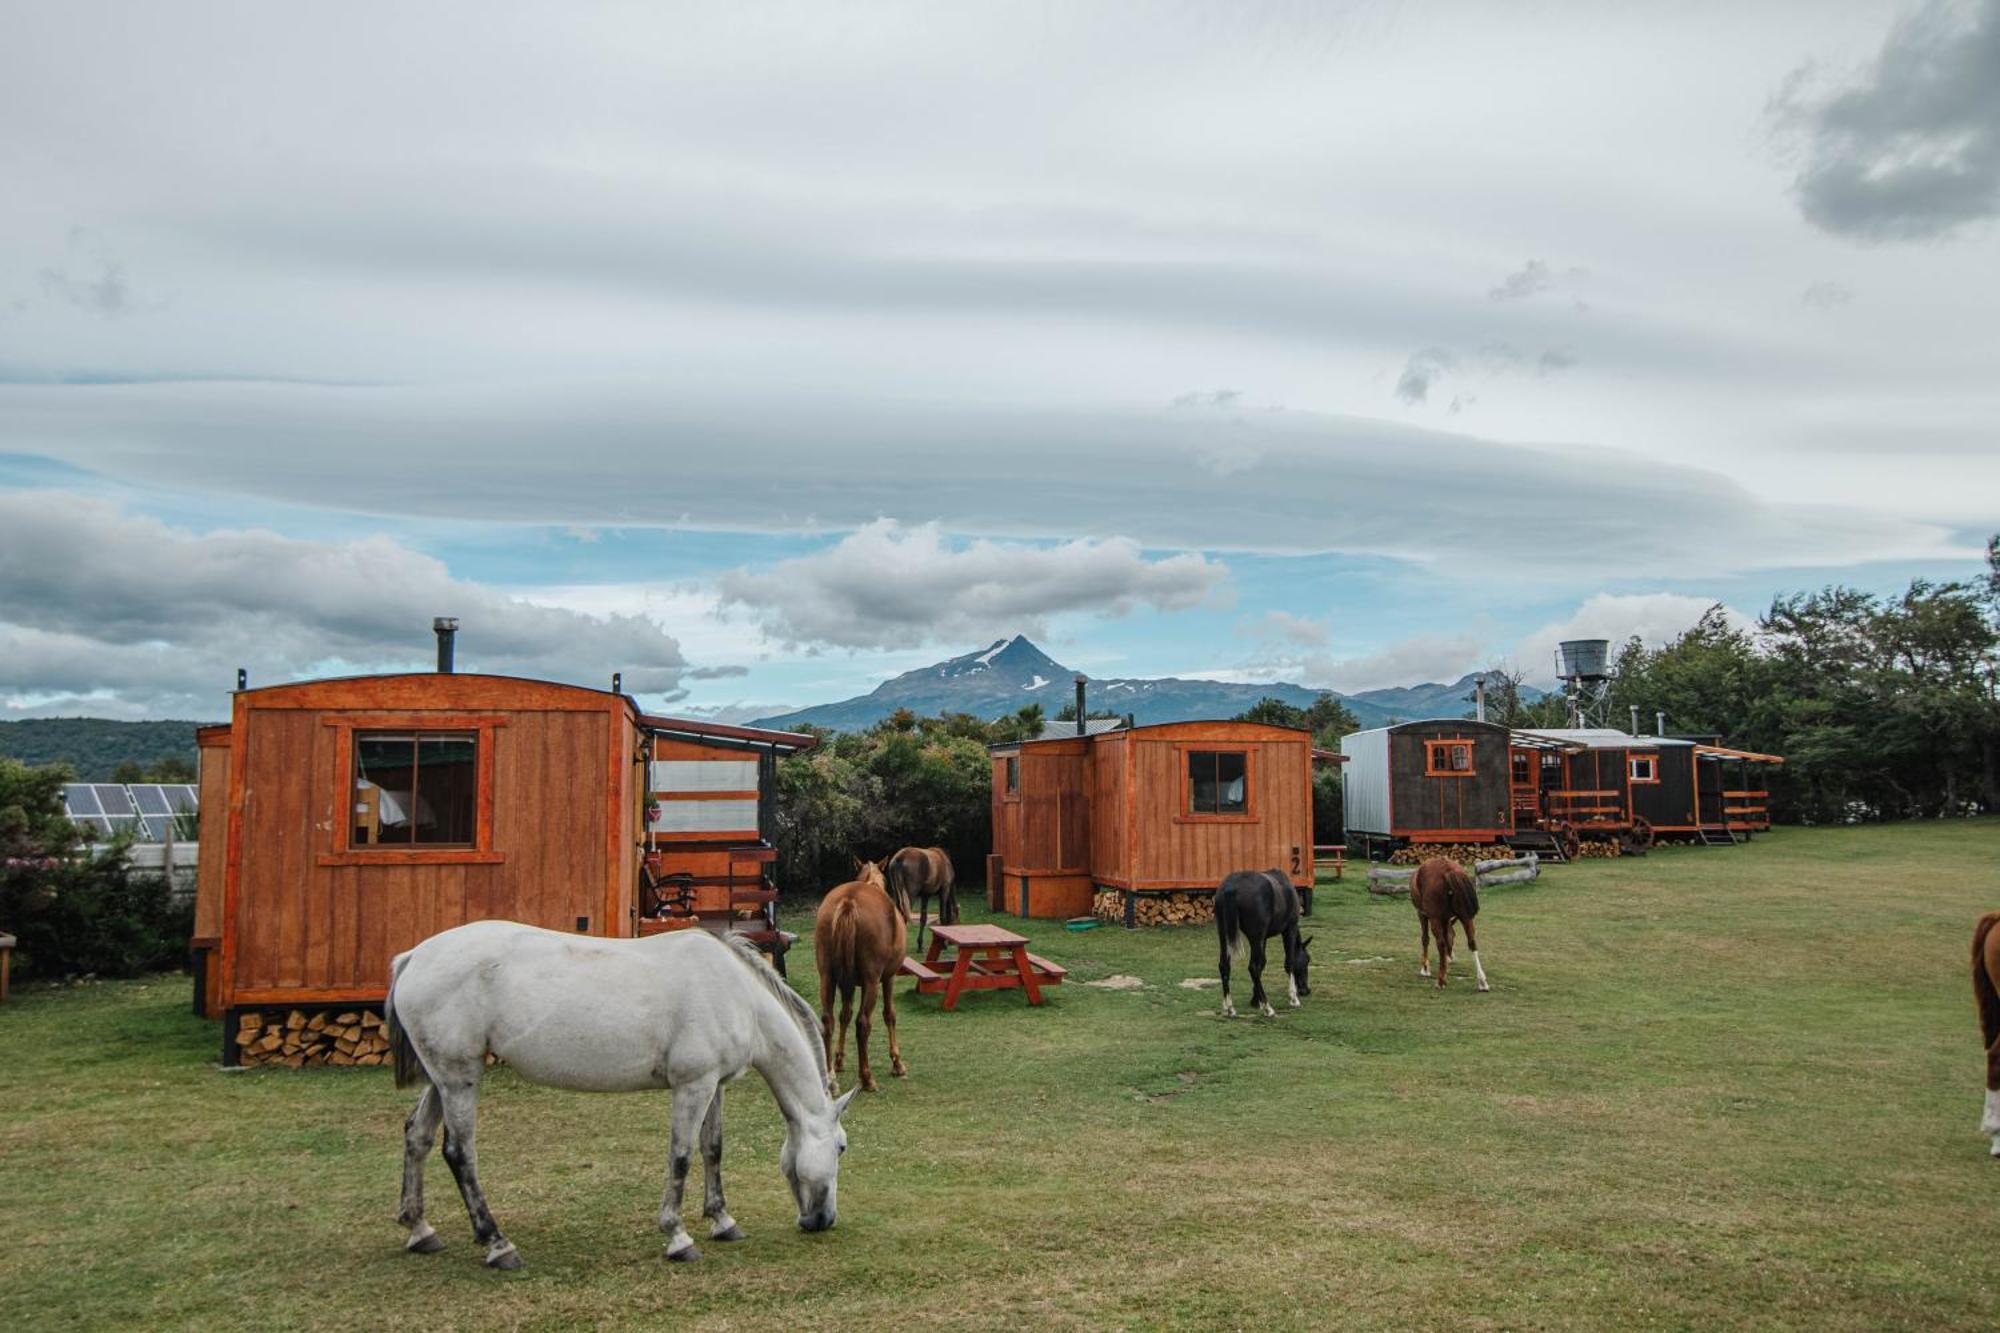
[
  {"x": 409, "y": 1070},
  {"x": 1461, "y": 893},
  {"x": 1228, "y": 926},
  {"x": 1983, "y": 989},
  {"x": 840, "y": 944},
  {"x": 897, "y": 873}
]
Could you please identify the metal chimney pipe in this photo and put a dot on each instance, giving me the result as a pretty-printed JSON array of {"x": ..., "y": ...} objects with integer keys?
[
  {"x": 1479, "y": 697},
  {"x": 1080, "y": 728},
  {"x": 618, "y": 682},
  {"x": 1660, "y": 723},
  {"x": 1635, "y": 719},
  {"x": 446, "y": 628},
  {"x": 242, "y": 679}
]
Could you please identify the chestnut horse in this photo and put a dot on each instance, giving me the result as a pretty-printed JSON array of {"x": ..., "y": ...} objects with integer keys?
[
  {"x": 1986, "y": 991},
  {"x": 1443, "y": 892},
  {"x": 858, "y": 939},
  {"x": 918, "y": 874}
]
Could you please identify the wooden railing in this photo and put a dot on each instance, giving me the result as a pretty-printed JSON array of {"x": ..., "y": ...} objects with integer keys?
[{"x": 1331, "y": 856}]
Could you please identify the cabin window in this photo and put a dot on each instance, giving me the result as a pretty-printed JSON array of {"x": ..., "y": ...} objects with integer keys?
[
  {"x": 1013, "y": 775},
  {"x": 1218, "y": 782},
  {"x": 415, "y": 789},
  {"x": 694, "y": 797},
  {"x": 1447, "y": 759},
  {"x": 1644, "y": 768}
]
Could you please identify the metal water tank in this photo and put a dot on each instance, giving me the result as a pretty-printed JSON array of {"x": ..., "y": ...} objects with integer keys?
[{"x": 1585, "y": 659}]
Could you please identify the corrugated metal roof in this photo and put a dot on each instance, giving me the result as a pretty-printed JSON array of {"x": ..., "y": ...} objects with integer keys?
[
  {"x": 1092, "y": 726},
  {"x": 1600, "y": 738}
]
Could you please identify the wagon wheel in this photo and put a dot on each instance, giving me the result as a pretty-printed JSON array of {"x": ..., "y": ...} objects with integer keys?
[
  {"x": 1567, "y": 839},
  {"x": 1643, "y": 836}
]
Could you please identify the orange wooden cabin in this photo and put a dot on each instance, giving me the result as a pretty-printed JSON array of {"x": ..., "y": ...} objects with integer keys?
[
  {"x": 347, "y": 820},
  {"x": 1158, "y": 809}
]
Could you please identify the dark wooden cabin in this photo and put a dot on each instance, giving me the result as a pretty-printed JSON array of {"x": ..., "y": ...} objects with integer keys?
[
  {"x": 1605, "y": 783},
  {"x": 347, "y": 820},
  {"x": 1167, "y": 808},
  {"x": 1432, "y": 781}
]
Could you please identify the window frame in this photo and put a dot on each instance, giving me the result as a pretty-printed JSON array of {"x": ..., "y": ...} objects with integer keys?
[
  {"x": 657, "y": 795},
  {"x": 1432, "y": 748},
  {"x": 1187, "y": 814},
  {"x": 1652, "y": 762},
  {"x": 1010, "y": 781},
  {"x": 344, "y": 729}
]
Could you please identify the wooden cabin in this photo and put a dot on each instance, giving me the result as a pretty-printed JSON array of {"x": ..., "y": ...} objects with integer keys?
[
  {"x": 1603, "y": 783},
  {"x": 1157, "y": 809},
  {"x": 347, "y": 820},
  {"x": 1431, "y": 781}
]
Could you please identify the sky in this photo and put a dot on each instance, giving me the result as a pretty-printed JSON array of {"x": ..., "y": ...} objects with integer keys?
[{"x": 763, "y": 351}]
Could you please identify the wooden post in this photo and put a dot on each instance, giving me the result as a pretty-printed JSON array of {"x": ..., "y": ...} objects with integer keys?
[
  {"x": 996, "y": 883},
  {"x": 6, "y": 963}
]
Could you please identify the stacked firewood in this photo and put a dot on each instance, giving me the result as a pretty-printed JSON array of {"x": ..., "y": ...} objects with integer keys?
[
  {"x": 1465, "y": 853},
  {"x": 350, "y": 1037},
  {"x": 1196, "y": 907},
  {"x": 1599, "y": 849}
]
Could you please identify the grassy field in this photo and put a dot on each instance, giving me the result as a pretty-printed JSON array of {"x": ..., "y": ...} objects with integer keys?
[{"x": 1710, "y": 1088}]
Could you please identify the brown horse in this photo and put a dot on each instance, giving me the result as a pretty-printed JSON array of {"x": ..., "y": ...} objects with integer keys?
[
  {"x": 1986, "y": 991},
  {"x": 1442, "y": 892},
  {"x": 858, "y": 939},
  {"x": 918, "y": 874}
]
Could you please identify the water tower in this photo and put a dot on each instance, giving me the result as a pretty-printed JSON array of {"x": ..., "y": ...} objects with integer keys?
[{"x": 1583, "y": 667}]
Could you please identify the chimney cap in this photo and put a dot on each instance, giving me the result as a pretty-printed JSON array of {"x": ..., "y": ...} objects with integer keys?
[{"x": 443, "y": 623}]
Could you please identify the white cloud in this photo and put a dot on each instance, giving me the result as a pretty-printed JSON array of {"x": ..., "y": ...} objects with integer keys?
[
  {"x": 94, "y": 599},
  {"x": 888, "y": 585},
  {"x": 1303, "y": 631}
]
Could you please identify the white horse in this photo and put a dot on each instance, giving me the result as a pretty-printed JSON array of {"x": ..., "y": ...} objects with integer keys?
[{"x": 683, "y": 1010}]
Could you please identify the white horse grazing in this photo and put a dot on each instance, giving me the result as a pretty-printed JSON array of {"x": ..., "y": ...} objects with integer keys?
[{"x": 684, "y": 1010}]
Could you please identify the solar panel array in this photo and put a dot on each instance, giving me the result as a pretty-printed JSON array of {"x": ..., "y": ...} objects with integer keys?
[{"x": 145, "y": 810}]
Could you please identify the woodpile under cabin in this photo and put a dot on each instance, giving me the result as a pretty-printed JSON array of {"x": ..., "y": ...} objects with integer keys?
[
  {"x": 1139, "y": 825},
  {"x": 351, "y": 819}
]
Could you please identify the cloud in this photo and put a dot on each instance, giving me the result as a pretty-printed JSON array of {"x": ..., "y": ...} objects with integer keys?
[
  {"x": 1303, "y": 631},
  {"x": 1655, "y": 618},
  {"x": 1533, "y": 278},
  {"x": 1426, "y": 657},
  {"x": 889, "y": 586},
  {"x": 1553, "y": 360},
  {"x": 1908, "y": 149},
  {"x": 1826, "y": 294},
  {"x": 1422, "y": 371},
  {"x": 99, "y": 284},
  {"x": 95, "y": 599},
  {"x": 661, "y": 454}
]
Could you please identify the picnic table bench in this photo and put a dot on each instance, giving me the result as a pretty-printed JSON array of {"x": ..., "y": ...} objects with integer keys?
[{"x": 983, "y": 958}]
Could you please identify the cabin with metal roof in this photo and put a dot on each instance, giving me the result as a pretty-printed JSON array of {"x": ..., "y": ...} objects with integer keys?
[{"x": 347, "y": 820}]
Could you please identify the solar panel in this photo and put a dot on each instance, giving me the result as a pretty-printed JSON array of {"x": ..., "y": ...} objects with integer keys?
[
  {"x": 184, "y": 796},
  {"x": 95, "y": 827},
  {"x": 80, "y": 799},
  {"x": 157, "y": 827},
  {"x": 151, "y": 798},
  {"x": 113, "y": 797},
  {"x": 123, "y": 823}
]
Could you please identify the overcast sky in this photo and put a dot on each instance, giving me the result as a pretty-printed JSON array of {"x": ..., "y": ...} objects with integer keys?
[{"x": 760, "y": 351}]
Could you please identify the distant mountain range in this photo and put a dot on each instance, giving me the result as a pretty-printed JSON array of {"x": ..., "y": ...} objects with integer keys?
[
  {"x": 1012, "y": 673},
  {"x": 93, "y": 746}
]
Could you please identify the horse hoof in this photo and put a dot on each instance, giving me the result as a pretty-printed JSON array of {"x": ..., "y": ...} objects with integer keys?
[
  {"x": 1268, "y": 1011},
  {"x": 901, "y": 1071},
  {"x": 869, "y": 1085},
  {"x": 1484, "y": 987},
  {"x": 1293, "y": 1005},
  {"x": 506, "y": 1258},
  {"x": 427, "y": 1242},
  {"x": 686, "y": 1254},
  {"x": 1229, "y": 1011},
  {"x": 734, "y": 1233}
]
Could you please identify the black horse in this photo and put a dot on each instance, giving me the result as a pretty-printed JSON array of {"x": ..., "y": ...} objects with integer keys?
[{"x": 1250, "y": 907}]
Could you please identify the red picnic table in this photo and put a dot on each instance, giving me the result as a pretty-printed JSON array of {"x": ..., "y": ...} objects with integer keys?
[{"x": 984, "y": 958}]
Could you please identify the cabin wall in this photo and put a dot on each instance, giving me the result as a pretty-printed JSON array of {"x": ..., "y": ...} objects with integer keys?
[
  {"x": 1598, "y": 792},
  {"x": 304, "y": 921},
  {"x": 1177, "y": 850},
  {"x": 711, "y": 798},
  {"x": 1110, "y": 810},
  {"x": 1475, "y": 808},
  {"x": 214, "y": 837},
  {"x": 1669, "y": 804},
  {"x": 1364, "y": 781}
]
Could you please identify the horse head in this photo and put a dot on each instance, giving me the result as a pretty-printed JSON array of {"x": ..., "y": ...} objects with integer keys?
[
  {"x": 1300, "y": 962},
  {"x": 869, "y": 872},
  {"x": 810, "y": 1160}
]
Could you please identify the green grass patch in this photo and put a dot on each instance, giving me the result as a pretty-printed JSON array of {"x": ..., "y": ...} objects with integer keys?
[{"x": 1711, "y": 1088}]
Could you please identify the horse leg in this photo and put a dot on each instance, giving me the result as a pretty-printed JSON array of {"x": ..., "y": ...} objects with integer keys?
[
  {"x": 826, "y": 1017},
  {"x": 1442, "y": 928},
  {"x": 461, "y": 1101},
  {"x": 870, "y": 989},
  {"x": 1257, "y": 995},
  {"x": 721, "y": 1226},
  {"x": 896, "y": 1065},
  {"x": 1291, "y": 963},
  {"x": 691, "y": 1106},
  {"x": 1472, "y": 943},
  {"x": 923, "y": 916},
  {"x": 1990, "y": 1123},
  {"x": 948, "y": 905},
  {"x": 840, "y": 1037},
  {"x": 419, "y": 1137},
  {"x": 1423, "y": 943}
]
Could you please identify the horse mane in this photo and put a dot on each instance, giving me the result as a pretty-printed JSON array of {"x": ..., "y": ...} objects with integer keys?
[{"x": 795, "y": 1004}]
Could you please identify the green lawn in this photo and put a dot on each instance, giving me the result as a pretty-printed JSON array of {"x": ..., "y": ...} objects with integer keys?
[{"x": 1710, "y": 1088}]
